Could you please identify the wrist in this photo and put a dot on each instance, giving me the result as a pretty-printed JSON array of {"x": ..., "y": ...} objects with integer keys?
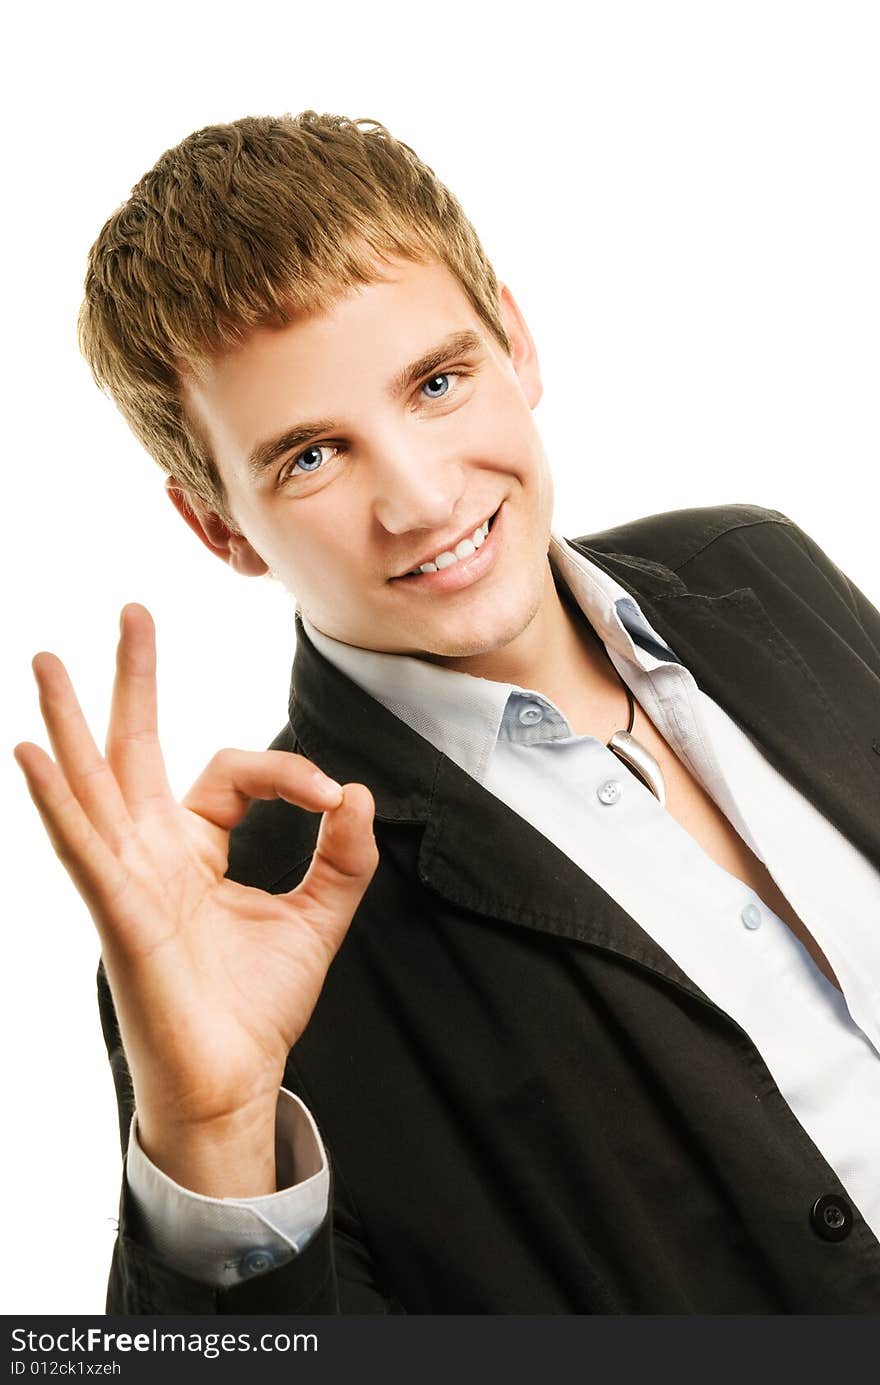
[{"x": 229, "y": 1157}]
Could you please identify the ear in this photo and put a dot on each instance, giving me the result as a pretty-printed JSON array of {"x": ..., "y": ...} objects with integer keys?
[
  {"x": 224, "y": 542},
  {"x": 523, "y": 353}
]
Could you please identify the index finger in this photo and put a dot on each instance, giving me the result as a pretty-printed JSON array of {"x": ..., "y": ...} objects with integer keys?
[{"x": 133, "y": 748}]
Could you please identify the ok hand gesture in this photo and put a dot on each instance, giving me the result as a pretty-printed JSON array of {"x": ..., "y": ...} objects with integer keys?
[{"x": 213, "y": 982}]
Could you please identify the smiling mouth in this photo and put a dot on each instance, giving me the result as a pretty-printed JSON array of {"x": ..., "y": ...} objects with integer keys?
[{"x": 465, "y": 548}]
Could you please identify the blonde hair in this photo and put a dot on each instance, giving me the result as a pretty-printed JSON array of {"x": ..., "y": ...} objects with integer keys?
[{"x": 244, "y": 225}]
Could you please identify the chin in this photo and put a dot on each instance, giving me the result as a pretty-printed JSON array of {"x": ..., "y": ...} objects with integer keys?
[{"x": 478, "y": 636}]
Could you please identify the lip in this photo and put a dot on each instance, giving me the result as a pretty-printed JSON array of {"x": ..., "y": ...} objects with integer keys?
[
  {"x": 464, "y": 572},
  {"x": 448, "y": 546}
]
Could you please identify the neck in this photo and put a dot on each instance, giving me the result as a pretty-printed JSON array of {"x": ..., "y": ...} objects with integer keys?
[{"x": 557, "y": 655}]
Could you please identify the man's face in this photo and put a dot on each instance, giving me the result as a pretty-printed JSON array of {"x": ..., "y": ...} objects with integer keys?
[{"x": 389, "y": 468}]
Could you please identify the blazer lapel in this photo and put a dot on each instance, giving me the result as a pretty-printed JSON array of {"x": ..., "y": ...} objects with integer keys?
[
  {"x": 475, "y": 852},
  {"x": 481, "y": 856}
]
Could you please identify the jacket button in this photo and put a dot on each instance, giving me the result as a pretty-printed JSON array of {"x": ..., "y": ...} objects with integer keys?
[{"x": 831, "y": 1217}]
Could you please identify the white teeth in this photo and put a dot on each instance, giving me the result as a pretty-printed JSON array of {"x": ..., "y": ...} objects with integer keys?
[{"x": 464, "y": 549}]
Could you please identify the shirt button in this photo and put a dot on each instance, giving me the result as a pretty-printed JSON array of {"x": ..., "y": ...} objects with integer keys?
[
  {"x": 831, "y": 1217},
  {"x": 610, "y": 791},
  {"x": 530, "y": 716},
  {"x": 257, "y": 1261},
  {"x": 751, "y": 916}
]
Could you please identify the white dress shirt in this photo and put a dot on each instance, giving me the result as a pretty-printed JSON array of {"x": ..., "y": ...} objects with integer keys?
[{"x": 821, "y": 1045}]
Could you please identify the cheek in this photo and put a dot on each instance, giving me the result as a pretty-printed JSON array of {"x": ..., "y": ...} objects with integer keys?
[
  {"x": 327, "y": 556},
  {"x": 512, "y": 434}
]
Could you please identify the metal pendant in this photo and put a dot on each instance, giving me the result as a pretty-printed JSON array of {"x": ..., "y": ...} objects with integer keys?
[
  {"x": 640, "y": 762},
  {"x": 628, "y": 750}
]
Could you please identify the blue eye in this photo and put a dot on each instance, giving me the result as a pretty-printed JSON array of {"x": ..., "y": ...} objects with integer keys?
[
  {"x": 434, "y": 378},
  {"x": 308, "y": 466},
  {"x": 306, "y": 463}
]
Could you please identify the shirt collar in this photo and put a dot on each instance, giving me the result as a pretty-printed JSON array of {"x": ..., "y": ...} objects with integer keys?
[{"x": 461, "y": 714}]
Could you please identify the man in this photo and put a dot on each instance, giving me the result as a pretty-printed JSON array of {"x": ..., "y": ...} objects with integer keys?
[{"x": 584, "y": 1017}]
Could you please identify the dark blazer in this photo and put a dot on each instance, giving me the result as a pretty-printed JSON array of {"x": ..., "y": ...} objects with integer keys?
[{"x": 528, "y": 1106}]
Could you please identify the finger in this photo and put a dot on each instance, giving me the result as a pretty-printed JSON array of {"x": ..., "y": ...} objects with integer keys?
[
  {"x": 133, "y": 749},
  {"x": 233, "y": 778},
  {"x": 82, "y": 765},
  {"x": 341, "y": 868},
  {"x": 85, "y": 856}
]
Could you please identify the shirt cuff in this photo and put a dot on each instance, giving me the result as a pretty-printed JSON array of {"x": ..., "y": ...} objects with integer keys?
[{"x": 222, "y": 1241}]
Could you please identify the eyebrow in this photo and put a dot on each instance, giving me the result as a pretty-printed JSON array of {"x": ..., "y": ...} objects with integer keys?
[{"x": 265, "y": 453}]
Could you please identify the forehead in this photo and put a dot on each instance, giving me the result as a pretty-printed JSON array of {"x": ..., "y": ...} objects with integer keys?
[{"x": 326, "y": 364}]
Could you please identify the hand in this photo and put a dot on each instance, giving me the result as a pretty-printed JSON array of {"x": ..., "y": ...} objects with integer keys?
[{"x": 213, "y": 982}]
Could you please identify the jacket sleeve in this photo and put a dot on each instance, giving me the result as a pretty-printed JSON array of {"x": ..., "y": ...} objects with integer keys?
[{"x": 334, "y": 1273}]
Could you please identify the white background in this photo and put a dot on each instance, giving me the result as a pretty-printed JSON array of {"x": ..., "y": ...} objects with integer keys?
[{"x": 684, "y": 199}]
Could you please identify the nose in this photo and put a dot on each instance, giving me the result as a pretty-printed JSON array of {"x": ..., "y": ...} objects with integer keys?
[{"x": 414, "y": 491}]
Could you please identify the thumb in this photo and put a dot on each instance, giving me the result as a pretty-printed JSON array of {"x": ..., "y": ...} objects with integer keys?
[{"x": 341, "y": 868}]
